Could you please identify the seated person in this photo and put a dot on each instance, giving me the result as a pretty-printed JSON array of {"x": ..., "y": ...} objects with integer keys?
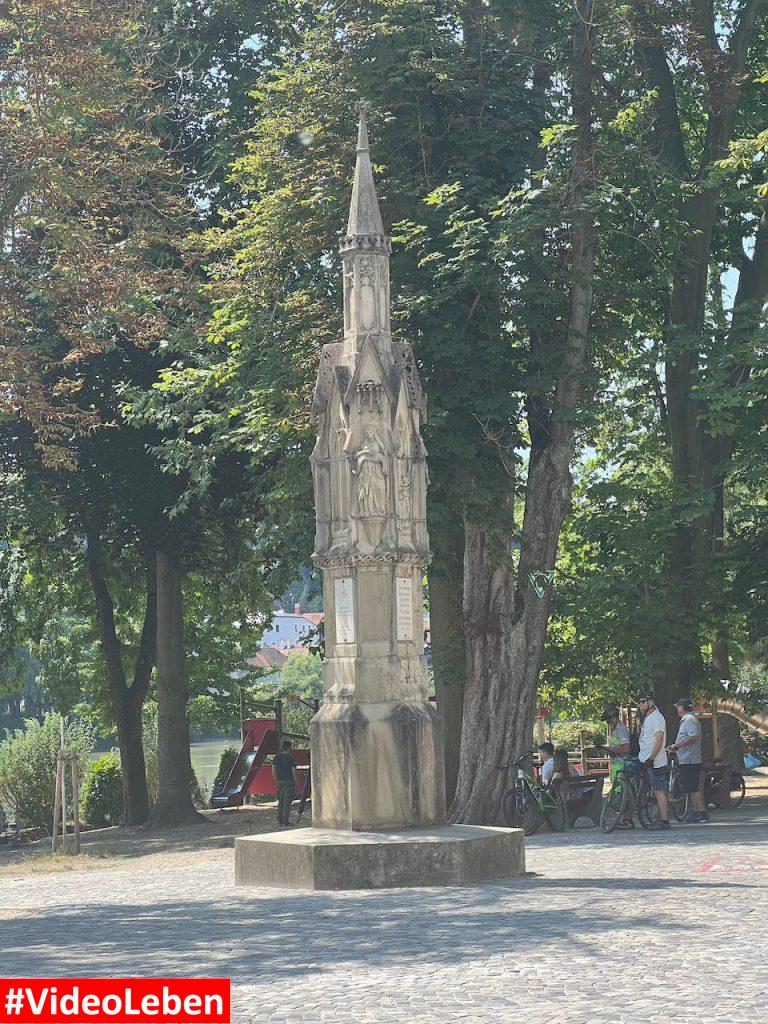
[
  {"x": 579, "y": 796},
  {"x": 546, "y": 756},
  {"x": 561, "y": 767}
]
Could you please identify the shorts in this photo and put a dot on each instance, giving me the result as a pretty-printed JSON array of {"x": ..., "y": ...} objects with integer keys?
[
  {"x": 690, "y": 777},
  {"x": 658, "y": 778}
]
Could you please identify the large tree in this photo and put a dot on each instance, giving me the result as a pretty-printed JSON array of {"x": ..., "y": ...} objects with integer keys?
[{"x": 701, "y": 64}]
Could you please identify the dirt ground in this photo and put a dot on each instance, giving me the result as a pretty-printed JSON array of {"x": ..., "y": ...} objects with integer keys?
[
  {"x": 141, "y": 846},
  {"x": 118, "y": 846}
]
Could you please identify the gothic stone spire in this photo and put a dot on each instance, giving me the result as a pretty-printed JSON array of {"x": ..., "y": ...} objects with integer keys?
[
  {"x": 365, "y": 250},
  {"x": 364, "y": 214}
]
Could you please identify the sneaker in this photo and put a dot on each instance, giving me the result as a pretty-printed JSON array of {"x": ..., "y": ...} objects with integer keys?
[
  {"x": 662, "y": 826},
  {"x": 692, "y": 818},
  {"x": 626, "y": 824}
]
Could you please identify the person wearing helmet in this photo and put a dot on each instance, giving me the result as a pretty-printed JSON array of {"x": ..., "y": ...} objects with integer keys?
[
  {"x": 618, "y": 748},
  {"x": 687, "y": 746},
  {"x": 618, "y": 740},
  {"x": 653, "y": 752}
]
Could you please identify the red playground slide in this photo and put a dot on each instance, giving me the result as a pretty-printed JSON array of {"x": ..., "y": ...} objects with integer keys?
[{"x": 251, "y": 775}]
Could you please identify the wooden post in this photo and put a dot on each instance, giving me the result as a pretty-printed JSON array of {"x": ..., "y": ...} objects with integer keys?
[
  {"x": 540, "y": 726},
  {"x": 57, "y": 803},
  {"x": 715, "y": 737},
  {"x": 75, "y": 802},
  {"x": 63, "y": 792},
  {"x": 279, "y": 723},
  {"x": 583, "y": 750}
]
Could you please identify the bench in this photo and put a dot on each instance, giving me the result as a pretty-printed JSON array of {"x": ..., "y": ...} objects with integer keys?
[{"x": 583, "y": 796}]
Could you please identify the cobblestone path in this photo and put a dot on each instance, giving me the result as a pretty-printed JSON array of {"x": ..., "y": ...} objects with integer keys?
[{"x": 633, "y": 929}]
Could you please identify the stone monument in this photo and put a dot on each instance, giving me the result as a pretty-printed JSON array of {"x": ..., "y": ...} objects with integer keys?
[{"x": 378, "y": 789}]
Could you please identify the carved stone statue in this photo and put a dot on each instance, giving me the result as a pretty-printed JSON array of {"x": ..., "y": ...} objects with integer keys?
[
  {"x": 403, "y": 475},
  {"x": 372, "y": 470}
]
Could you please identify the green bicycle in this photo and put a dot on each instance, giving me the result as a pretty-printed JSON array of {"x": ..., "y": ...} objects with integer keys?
[
  {"x": 525, "y": 803},
  {"x": 631, "y": 789}
]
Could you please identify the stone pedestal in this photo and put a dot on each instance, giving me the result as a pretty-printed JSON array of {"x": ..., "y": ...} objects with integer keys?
[
  {"x": 313, "y": 858},
  {"x": 377, "y": 766}
]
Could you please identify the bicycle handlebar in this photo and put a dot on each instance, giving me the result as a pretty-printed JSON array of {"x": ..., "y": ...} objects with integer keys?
[{"x": 515, "y": 764}]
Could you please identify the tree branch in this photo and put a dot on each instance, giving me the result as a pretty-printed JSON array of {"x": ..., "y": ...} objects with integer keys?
[
  {"x": 751, "y": 294},
  {"x": 145, "y": 660},
  {"x": 105, "y": 615},
  {"x": 742, "y": 34},
  {"x": 670, "y": 143},
  {"x": 704, "y": 14}
]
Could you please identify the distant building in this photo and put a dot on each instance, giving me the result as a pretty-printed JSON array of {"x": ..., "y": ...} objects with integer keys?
[{"x": 290, "y": 629}]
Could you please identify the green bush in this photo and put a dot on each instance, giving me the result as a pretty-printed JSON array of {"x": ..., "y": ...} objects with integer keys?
[
  {"x": 226, "y": 764},
  {"x": 102, "y": 801},
  {"x": 28, "y": 768},
  {"x": 566, "y": 734}
]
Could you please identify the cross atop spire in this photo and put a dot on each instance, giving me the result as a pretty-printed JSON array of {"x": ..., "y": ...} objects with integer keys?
[{"x": 364, "y": 214}]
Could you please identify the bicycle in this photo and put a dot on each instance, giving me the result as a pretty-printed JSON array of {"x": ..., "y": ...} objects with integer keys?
[
  {"x": 525, "y": 803},
  {"x": 679, "y": 802},
  {"x": 711, "y": 783},
  {"x": 631, "y": 789}
]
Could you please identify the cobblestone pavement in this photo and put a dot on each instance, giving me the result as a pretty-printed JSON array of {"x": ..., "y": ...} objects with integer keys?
[{"x": 637, "y": 927}]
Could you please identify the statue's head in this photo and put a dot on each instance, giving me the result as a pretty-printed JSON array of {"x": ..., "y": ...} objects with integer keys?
[{"x": 370, "y": 434}]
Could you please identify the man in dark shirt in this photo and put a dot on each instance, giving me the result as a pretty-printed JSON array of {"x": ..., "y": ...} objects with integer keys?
[{"x": 284, "y": 772}]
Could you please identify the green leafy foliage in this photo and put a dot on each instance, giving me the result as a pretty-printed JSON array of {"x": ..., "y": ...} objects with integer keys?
[
  {"x": 102, "y": 798},
  {"x": 226, "y": 764},
  {"x": 28, "y": 768}
]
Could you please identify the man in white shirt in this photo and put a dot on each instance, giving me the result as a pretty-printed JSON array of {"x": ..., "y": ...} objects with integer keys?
[
  {"x": 653, "y": 753},
  {"x": 547, "y": 758}
]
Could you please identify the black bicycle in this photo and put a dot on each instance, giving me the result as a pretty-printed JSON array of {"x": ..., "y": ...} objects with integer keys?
[
  {"x": 679, "y": 802},
  {"x": 525, "y": 803},
  {"x": 631, "y": 789}
]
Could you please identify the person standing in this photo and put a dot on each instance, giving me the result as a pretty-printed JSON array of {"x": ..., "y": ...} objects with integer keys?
[
  {"x": 284, "y": 774},
  {"x": 618, "y": 749},
  {"x": 687, "y": 746},
  {"x": 618, "y": 740},
  {"x": 653, "y": 753}
]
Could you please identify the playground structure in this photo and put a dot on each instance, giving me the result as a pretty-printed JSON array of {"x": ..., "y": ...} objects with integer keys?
[{"x": 262, "y": 738}]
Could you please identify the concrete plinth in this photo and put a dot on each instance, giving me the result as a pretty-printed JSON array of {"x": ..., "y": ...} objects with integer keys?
[
  {"x": 377, "y": 767},
  {"x": 314, "y": 858}
]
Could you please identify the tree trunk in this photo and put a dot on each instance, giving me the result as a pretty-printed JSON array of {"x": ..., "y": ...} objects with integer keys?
[
  {"x": 446, "y": 622},
  {"x": 506, "y": 619},
  {"x": 174, "y": 801},
  {"x": 129, "y": 738},
  {"x": 126, "y": 701}
]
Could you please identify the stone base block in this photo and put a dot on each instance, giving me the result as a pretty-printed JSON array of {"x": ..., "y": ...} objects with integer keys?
[
  {"x": 377, "y": 767},
  {"x": 315, "y": 858}
]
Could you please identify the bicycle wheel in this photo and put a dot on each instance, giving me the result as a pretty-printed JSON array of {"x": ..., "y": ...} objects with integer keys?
[
  {"x": 615, "y": 805},
  {"x": 555, "y": 813},
  {"x": 738, "y": 789},
  {"x": 521, "y": 811},
  {"x": 678, "y": 800},
  {"x": 648, "y": 810}
]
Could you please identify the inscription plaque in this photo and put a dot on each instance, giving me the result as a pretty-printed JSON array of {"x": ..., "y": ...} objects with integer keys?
[
  {"x": 345, "y": 611},
  {"x": 404, "y": 602}
]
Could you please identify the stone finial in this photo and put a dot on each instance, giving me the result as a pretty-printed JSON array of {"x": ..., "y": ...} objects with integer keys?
[{"x": 364, "y": 214}]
